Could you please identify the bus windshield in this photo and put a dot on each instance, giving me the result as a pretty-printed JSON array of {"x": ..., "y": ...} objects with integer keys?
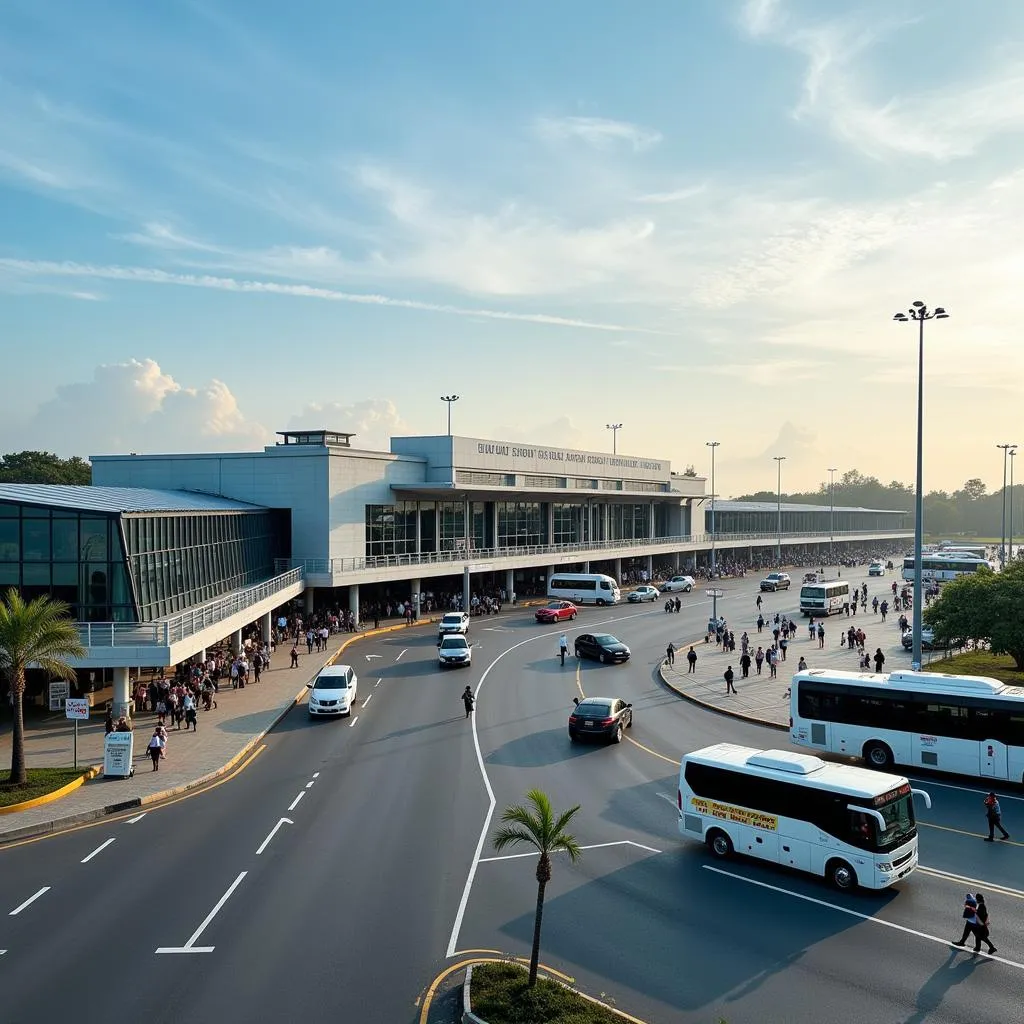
[{"x": 899, "y": 821}]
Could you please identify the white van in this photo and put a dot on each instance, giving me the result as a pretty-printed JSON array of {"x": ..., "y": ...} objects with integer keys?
[{"x": 584, "y": 588}]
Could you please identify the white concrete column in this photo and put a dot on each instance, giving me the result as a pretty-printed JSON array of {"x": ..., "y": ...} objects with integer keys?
[
  {"x": 651, "y": 525},
  {"x": 417, "y": 586},
  {"x": 122, "y": 704},
  {"x": 650, "y": 568},
  {"x": 466, "y": 595},
  {"x": 267, "y": 624},
  {"x": 353, "y": 601},
  {"x": 550, "y": 539},
  {"x": 548, "y": 573},
  {"x": 605, "y": 534},
  {"x": 586, "y": 566},
  {"x": 466, "y": 532},
  {"x": 618, "y": 570},
  {"x": 494, "y": 524},
  {"x": 419, "y": 530},
  {"x": 510, "y": 582},
  {"x": 236, "y": 642},
  {"x": 308, "y": 598},
  {"x": 202, "y": 655},
  {"x": 676, "y": 561}
]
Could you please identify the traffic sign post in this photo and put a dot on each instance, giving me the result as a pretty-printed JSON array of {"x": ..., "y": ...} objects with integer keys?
[
  {"x": 77, "y": 709},
  {"x": 714, "y": 593}
]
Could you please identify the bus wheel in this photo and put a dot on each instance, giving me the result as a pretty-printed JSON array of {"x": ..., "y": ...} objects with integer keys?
[
  {"x": 600, "y": 602},
  {"x": 878, "y": 755},
  {"x": 841, "y": 875},
  {"x": 719, "y": 844}
]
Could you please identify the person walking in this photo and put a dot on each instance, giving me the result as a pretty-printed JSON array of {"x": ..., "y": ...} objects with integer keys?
[
  {"x": 772, "y": 657},
  {"x": 188, "y": 703},
  {"x": 981, "y": 930},
  {"x": 994, "y": 815},
  {"x": 879, "y": 659},
  {"x": 745, "y": 665},
  {"x": 691, "y": 657},
  {"x": 758, "y": 602},
  {"x": 970, "y": 918},
  {"x": 760, "y": 623},
  {"x": 295, "y": 656},
  {"x": 801, "y": 665},
  {"x": 821, "y": 636},
  {"x": 563, "y": 647},
  {"x": 670, "y": 653},
  {"x": 810, "y": 629},
  {"x": 154, "y": 747},
  {"x": 727, "y": 675},
  {"x": 468, "y": 700},
  {"x": 759, "y": 659}
]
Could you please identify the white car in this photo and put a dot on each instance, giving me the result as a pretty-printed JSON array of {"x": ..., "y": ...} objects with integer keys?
[
  {"x": 333, "y": 692},
  {"x": 453, "y": 622},
  {"x": 876, "y": 569},
  {"x": 644, "y": 594},
  {"x": 454, "y": 650},
  {"x": 683, "y": 583}
]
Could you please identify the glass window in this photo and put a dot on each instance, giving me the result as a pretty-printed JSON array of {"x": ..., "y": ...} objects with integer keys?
[
  {"x": 9, "y": 572},
  {"x": 35, "y": 540},
  {"x": 8, "y": 511},
  {"x": 65, "y": 540},
  {"x": 35, "y": 574},
  {"x": 93, "y": 540},
  {"x": 10, "y": 540}
]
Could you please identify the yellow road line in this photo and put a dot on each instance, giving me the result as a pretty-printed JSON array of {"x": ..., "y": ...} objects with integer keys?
[
  {"x": 1003, "y": 890},
  {"x": 671, "y": 760},
  {"x": 964, "y": 832},
  {"x": 132, "y": 811}
]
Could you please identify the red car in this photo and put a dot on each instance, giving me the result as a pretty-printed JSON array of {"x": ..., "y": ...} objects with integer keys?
[{"x": 555, "y": 611}]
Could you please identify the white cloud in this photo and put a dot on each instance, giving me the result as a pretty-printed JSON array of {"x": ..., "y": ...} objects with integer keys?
[
  {"x": 374, "y": 421},
  {"x": 599, "y": 132},
  {"x": 561, "y": 432}
]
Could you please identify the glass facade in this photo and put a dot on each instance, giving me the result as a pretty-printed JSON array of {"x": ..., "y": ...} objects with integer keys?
[
  {"x": 629, "y": 522},
  {"x": 765, "y": 519},
  {"x": 179, "y": 561},
  {"x": 521, "y": 524},
  {"x": 391, "y": 529},
  {"x": 132, "y": 568},
  {"x": 568, "y": 521}
]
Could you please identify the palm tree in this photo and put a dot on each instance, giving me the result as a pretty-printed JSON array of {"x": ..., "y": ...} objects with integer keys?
[
  {"x": 37, "y": 632},
  {"x": 538, "y": 827}
]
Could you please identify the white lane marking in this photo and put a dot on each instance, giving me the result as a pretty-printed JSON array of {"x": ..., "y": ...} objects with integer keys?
[
  {"x": 2, "y": 951},
  {"x": 351, "y": 724},
  {"x": 137, "y": 818},
  {"x": 453, "y": 941},
  {"x": 316, "y": 775},
  {"x": 376, "y": 684},
  {"x": 309, "y": 785},
  {"x": 273, "y": 832},
  {"x": 592, "y": 846},
  {"x": 295, "y": 802},
  {"x": 964, "y": 789},
  {"x": 190, "y": 946},
  {"x": 399, "y": 658},
  {"x": 855, "y": 913},
  {"x": 673, "y": 800},
  {"x": 99, "y": 849},
  {"x": 369, "y": 697},
  {"x": 18, "y": 909},
  {"x": 1004, "y": 890}
]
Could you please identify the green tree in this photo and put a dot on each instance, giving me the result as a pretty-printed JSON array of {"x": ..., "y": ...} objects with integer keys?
[
  {"x": 537, "y": 826},
  {"x": 974, "y": 489},
  {"x": 43, "y": 468},
  {"x": 983, "y": 606},
  {"x": 39, "y": 632}
]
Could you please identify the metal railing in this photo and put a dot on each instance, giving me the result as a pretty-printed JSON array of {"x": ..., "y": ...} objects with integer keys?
[
  {"x": 340, "y": 566},
  {"x": 165, "y": 632}
]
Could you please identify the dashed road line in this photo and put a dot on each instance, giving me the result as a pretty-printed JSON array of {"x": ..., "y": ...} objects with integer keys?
[
  {"x": 18, "y": 909},
  {"x": 272, "y": 833},
  {"x": 190, "y": 946},
  {"x": 399, "y": 658},
  {"x": 351, "y": 724},
  {"x": 369, "y": 697},
  {"x": 295, "y": 802},
  {"x": 137, "y": 818},
  {"x": 316, "y": 775},
  {"x": 99, "y": 849},
  {"x": 310, "y": 784}
]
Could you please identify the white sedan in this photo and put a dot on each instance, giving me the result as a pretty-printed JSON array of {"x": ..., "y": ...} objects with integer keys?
[
  {"x": 683, "y": 583},
  {"x": 644, "y": 594}
]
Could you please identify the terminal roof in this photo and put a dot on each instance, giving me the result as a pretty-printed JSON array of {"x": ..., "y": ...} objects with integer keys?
[{"x": 119, "y": 499}]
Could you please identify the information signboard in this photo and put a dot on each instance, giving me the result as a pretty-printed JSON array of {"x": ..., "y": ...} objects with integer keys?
[
  {"x": 59, "y": 690},
  {"x": 76, "y": 708},
  {"x": 117, "y": 754},
  {"x": 715, "y": 592}
]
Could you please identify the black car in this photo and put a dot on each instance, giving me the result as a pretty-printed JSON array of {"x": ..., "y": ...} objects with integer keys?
[
  {"x": 605, "y": 717},
  {"x": 603, "y": 647}
]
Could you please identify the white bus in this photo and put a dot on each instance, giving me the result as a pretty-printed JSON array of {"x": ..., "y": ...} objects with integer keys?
[
  {"x": 942, "y": 566},
  {"x": 850, "y": 825},
  {"x": 819, "y": 599},
  {"x": 584, "y": 588},
  {"x": 965, "y": 724},
  {"x": 978, "y": 550}
]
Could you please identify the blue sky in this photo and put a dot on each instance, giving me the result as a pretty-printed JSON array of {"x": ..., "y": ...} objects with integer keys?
[{"x": 222, "y": 219}]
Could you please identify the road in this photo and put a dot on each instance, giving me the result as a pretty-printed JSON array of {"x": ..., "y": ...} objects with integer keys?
[{"x": 381, "y": 872}]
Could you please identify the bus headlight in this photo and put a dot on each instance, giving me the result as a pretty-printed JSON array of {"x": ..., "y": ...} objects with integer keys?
[{"x": 885, "y": 866}]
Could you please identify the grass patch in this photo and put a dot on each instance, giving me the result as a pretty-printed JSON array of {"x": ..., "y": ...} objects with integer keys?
[
  {"x": 40, "y": 782},
  {"x": 979, "y": 663},
  {"x": 501, "y": 996}
]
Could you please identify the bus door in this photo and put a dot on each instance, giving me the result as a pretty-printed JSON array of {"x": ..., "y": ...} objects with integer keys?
[{"x": 993, "y": 759}]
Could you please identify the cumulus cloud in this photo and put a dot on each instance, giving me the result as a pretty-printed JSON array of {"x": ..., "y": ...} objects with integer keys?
[{"x": 373, "y": 421}]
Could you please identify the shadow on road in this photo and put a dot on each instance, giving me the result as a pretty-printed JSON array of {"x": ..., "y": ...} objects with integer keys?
[{"x": 539, "y": 749}]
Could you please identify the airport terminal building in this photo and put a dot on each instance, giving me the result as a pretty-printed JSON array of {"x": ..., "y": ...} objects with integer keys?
[{"x": 165, "y": 555}]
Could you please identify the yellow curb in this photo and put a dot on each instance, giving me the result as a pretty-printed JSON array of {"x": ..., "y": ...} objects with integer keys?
[{"x": 46, "y": 798}]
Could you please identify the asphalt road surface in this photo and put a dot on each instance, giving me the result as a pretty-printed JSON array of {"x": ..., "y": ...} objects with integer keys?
[{"x": 381, "y": 873}]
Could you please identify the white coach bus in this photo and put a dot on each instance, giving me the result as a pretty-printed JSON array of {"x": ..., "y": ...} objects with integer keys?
[
  {"x": 819, "y": 599},
  {"x": 584, "y": 588},
  {"x": 965, "y": 724},
  {"x": 941, "y": 567},
  {"x": 850, "y": 825}
]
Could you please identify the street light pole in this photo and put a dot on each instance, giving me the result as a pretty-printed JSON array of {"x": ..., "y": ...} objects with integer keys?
[
  {"x": 779, "y": 459},
  {"x": 714, "y": 567},
  {"x": 919, "y": 312},
  {"x": 1009, "y": 515},
  {"x": 831, "y": 514},
  {"x": 614, "y": 428},
  {"x": 450, "y": 399},
  {"x": 1002, "y": 544}
]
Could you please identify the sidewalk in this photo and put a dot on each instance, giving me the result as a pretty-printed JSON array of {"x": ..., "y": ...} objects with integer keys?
[
  {"x": 224, "y": 736},
  {"x": 760, "y": 698}
]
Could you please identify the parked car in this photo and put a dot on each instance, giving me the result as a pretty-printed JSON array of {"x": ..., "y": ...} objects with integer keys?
[
  {"x": 643, "y": 594},
  {"x": 603, "y": 717},
  {"x": 927, "y": 639},
  {"x": 876, "y": 569},
  {"x": 454, "y": 650},
  {"x": 556, "y": 611},
  {"x": 333, "y": 691},
  {"x": 776, "y": 581},
  {"x": 602, "y": 647},
  {"x": 453, "y": 622},
  {"x": 683, "y": 583}
]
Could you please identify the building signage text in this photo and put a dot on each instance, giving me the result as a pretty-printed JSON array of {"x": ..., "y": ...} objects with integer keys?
[{"x": 565, "y": 455}]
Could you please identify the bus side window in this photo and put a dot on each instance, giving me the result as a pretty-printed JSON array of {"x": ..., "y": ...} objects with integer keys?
[{"x": 604, "y": 585}]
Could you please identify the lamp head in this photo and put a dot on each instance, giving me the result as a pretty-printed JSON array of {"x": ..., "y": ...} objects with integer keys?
[
  {"x": 918, "y": 305},
  {"x": 902, "y": 317},
  {"x": 940, "y": 313}
]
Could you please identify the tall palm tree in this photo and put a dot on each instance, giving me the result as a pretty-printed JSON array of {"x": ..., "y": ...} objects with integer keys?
[
  {"x": 538, "y": 827},
  {"x": 37, "y": 632}
]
